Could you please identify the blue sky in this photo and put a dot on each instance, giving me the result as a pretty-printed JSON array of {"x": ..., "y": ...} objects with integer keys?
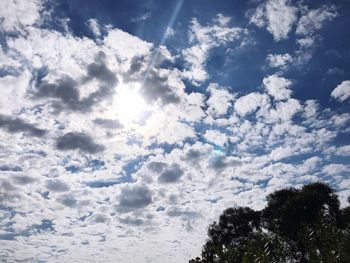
[{"x": 126, "y": 127}]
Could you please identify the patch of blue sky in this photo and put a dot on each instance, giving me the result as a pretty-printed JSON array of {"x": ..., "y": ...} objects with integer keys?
[
  {"x": 103, "y": 183},
  {"x": 89, "y": 165},
  {"x": 96, "y": 164},
  {"x": 8, "y": 71},
  {"x": 73, "y": 169},
  {"x": 166, "y": 147},
  {"x": 7, "y": 212},
  {"x": 11, "y": 234},
  {"x": 126, "y": 176}
]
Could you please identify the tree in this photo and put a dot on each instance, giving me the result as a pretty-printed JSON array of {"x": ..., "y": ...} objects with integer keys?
[{"x": 297, "y": 225}]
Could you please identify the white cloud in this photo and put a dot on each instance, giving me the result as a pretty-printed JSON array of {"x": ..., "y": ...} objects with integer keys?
[
  {"x": 219, "y": 101},
  {"x": 310, "y": 165},
  {"x": 314, "y": 19},
  {"x": 94, "y": 27},
  {"x": 13, "y": 88},
  {"x": 196, "y": 57},
  {"x": 258, "y": 17},
  {"x": 216, "y": 137},
  {"x": 342, "y": 91},
  {"x": 205, "y": 38},
  {"x": 17, "y": 14},
  {"x": 282, "y": 152},
  {"x": 169, "y": 32},
  {"x": 335, "y": 169},
  {"x": 165, "y": 128},
  {"x": 250, "y": 103},
  {"x": 192, "y": 110},
  {"x": 343, "y": 150},
  {"x": 285, "y": 110},
  {"x": 278, "y": 87},
  {"x": 340, "y": 120},
  {"x": 307, "y": 42},
  {"x": 129, "y": 47},
  {"x": 278, "y": 16},
  {"x": 310, "y": 109},
  {"x": 281, "y": 61},
  {"x": 79, "y": 189}
]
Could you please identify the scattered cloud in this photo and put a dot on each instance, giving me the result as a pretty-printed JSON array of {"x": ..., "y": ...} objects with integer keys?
[
  {"x": 203, "y": 39},
  {"x": 278, "y": 87},
  {"x": 314, "y": 19},
  {"x": 57, "y": 185},
  {"x": 78, "y": 172},
  {"x": 278, "y": 16},
  {"x": 281, "y": 61},
  {"x": 216, "y": 137},
  {"x": 171, "y": 174},
  {"x": 342, "y": 91},
  {"x": 17, "y": 15},
  {"x": 134, "y": 197},
  {"x": 343, "y": 150},
  {"x": 78, "y": 141},
  {"x": 15, "y": 125},
  {"x": 250, "y": 103},
  {"x": 219, "y": 101},
  {"x": 94, "y": 27}
]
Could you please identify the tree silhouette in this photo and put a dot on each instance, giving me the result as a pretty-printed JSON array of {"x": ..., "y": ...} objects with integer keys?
[{"x": 297, "y": 225}]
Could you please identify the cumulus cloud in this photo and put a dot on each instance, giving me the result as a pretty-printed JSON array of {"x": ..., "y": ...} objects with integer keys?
[
  {"x": 278, "y": 16},
  {"x": 162, "y": 128},
  {"x": 171, "y": 174},
  {"x": 278, "y": 87},
  {"x": 205, "y": 38},
  {"x": 134, "y": 197},
  {"x": 342, "y": 91},
  {"x": 94, "y": 27},
  {"x": 159, "y": 86},
  {"x": 166, "y": 173},
  {"x": 157, "y": 167},
  {"x": 16, "y": 15},
  {"x": 57, "y": 185},
  {"x": 15, "y": 125},
  {"x": 335, "y": 169},
  {"x": 108, "y": 123},
  {"x": 129, "y": 48},
  {"x": 314, "y": 19},
  {"x": 78, "y": 141},
  {"x": 343, "y": 150},
  {"x": 69, "y": 201},
  {"x": 285, "y": 110},
  {"x": 74, "y": 173},
  {"x": 220, "y": 162},
  {"x": 193, "y": 156},
  {"x": 250, "y": 103},
  {"x": 219, "y": 101},
  {"x": 281, "y": 61},
  {"x": 306, "y": 43},
  {"x": 156, "y": 87},
  {"x": 186, "y": 215},
  {"x": 216, "y": 137},
  {"x": 100, "y": 218},
  {"x": 23, "y": 179},
  {"x": 65, "y": 93}
]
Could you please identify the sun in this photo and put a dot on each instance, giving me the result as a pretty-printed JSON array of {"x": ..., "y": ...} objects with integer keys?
[{"x": 129, "y": 103}]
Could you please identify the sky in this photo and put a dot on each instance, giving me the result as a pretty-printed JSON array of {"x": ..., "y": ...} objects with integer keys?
[{"x": 127, "y": 127}]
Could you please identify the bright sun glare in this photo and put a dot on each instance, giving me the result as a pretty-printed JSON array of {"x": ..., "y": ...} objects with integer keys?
[{"x": 129, "y": 103}]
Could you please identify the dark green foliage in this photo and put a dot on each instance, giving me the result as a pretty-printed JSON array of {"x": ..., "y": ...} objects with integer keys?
[{"x": 304, "y": 225}]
